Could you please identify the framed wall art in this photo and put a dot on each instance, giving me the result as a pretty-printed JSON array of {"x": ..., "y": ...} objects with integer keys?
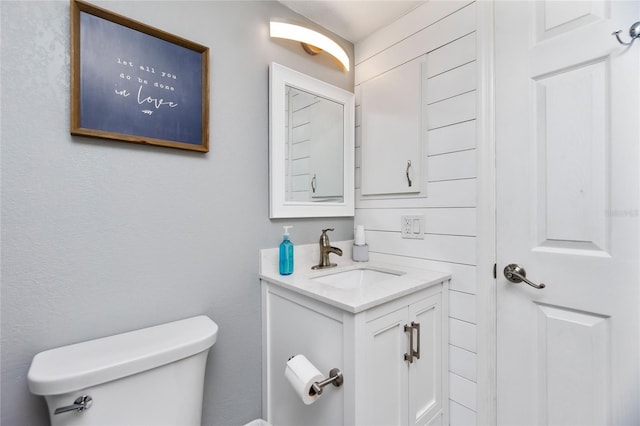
[{"x": 134, "y": 83}]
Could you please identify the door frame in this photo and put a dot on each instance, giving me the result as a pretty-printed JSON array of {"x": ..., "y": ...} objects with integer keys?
[{"x": 486, "y": 202}]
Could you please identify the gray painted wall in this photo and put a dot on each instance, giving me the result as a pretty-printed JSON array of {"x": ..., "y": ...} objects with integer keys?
[{"x": 103, "y": 237}]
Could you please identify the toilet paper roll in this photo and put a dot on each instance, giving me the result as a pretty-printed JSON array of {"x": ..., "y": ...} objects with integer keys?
[{"x": 302, "y": 375}]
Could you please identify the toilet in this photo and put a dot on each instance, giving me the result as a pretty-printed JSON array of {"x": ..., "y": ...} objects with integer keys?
[{"x": 153, "y": 376}]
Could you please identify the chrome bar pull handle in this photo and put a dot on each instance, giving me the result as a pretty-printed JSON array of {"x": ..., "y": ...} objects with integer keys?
[
  {"x": 517, "y": 274},
  {"x": 413, "y": 353},
  {"x": 81, "y": 403},
  {"x": 313, "y": 183},
  {"x": 409, "y": 356},
  {"x": 416, "y": 326}
]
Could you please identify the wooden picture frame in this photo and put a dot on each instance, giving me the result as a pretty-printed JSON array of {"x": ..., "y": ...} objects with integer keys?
[{"x": 134, "y": 83}]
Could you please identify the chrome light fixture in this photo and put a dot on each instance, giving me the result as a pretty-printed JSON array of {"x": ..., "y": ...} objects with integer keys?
[{"x": 312, "y": 41}]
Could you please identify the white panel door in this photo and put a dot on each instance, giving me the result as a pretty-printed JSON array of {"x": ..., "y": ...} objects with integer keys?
[{"x": 567, "y": 124}]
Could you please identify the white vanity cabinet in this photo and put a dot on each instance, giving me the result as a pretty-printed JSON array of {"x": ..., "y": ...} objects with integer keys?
[
  {"x": 392, "y": 130},
  {"x": 382, "y": 385}
]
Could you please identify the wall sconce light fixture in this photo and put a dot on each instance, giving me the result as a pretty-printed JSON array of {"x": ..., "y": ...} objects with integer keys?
[{"x": 313, "y": 42}]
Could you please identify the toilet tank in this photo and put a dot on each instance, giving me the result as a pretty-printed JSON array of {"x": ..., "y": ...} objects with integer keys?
[{"x": 153, "y": 376}]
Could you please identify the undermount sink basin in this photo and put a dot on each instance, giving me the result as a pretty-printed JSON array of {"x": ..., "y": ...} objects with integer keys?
[{"x": 355, "y": 278}]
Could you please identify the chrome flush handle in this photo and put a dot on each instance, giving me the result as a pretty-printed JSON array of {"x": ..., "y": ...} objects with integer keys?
[{"x": 81, "y": 403}]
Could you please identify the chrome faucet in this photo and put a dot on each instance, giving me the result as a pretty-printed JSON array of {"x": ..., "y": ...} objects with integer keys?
[{"x": 325, "y": 250}]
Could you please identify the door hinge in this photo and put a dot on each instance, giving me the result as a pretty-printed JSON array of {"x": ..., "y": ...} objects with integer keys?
[{"x": 495, "y": 270}]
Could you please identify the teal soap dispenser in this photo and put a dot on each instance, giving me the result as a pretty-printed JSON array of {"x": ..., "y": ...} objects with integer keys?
[{"x": 286, "y": 253}]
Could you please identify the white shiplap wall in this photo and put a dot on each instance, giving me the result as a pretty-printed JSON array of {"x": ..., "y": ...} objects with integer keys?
[{"x": 446, "y": 32}]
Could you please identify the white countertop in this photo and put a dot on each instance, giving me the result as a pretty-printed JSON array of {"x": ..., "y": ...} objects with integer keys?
[{"x": 351, "y": 300}]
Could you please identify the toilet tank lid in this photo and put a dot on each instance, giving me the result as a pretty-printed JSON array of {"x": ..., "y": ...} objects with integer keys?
[{"x": 78, "y": 366}]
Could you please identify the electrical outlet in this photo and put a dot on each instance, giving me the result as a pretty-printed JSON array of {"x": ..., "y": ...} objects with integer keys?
[
  {"x": 406, "y": 226},
  {"x": 412, "y": 226}
]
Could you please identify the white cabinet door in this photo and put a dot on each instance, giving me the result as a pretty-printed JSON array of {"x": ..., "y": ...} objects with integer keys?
[
  {"x": 386, "y": 370},
  {"x": 425, "y": 373},
  {"x": 568, "y": 166},
  {"x": 399, "y": 391},
  {"x": 392, "y": 130}
]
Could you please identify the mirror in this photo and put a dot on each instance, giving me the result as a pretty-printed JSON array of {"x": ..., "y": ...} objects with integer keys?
[{"x": 311, "y": 146}]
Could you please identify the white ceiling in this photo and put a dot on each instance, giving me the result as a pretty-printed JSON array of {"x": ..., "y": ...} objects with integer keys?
[{"x": 352, "y": 19}]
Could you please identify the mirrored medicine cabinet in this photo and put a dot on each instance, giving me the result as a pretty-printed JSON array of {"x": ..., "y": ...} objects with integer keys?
[{"x": 311, "y": 146}]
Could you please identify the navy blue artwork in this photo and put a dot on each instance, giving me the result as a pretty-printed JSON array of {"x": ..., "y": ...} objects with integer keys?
[{"x": 137, "y": 84}]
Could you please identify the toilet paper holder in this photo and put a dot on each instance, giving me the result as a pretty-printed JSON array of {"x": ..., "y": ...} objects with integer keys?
[{"x": 335, "y": 377}]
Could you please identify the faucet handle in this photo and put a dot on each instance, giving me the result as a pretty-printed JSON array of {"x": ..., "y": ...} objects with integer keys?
[{"x": 324, "y": 238}]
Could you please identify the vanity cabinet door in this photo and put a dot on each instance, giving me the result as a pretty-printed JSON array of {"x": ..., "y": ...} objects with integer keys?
[
  {"x": 392, "y": 130},
  {"x": 425, "y": 373},
  {"x": 403, "y": 389},
  {"x": 386, "y": 370}
]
